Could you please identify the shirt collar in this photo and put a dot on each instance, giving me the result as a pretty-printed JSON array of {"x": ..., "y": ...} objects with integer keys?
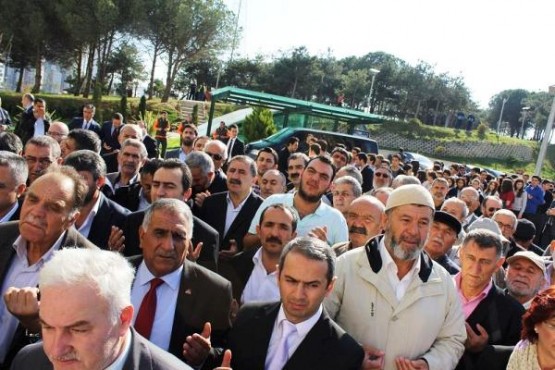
[
  {"x": 257, "y": 260},
  {"x": 305, "y": 326},
  {"x": 122, "y": 357},
  {"x": 389, "y": 263},
  {"x": 240, "y": 205},
  {"x": 10, "y": 213},
  {"x": 481, "y": 295},
  {"x": 144, "y": 276},
  {"x": 20, "y": 247}
]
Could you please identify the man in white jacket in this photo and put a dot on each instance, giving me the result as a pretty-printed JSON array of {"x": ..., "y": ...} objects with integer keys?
[{"x": 392, "y": 298}]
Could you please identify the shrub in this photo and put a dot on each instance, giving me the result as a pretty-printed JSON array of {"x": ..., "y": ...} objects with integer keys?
[
  {"x": 259, "y": 124},
  {"x": 482, "y": 130},
  {"x": 440, "y": 150}
]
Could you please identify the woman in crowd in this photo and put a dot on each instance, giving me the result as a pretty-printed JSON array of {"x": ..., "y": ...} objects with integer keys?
[
  {"x": 507, "y": 194},
  {"x": 492, "y": 189},
  {"x": 535, "y": 349},
  {"x": 459, "y": 185},
  {"x": 519, "y": 204}
]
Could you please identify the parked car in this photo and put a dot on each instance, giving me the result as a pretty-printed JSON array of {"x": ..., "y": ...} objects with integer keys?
[
  {"x": 425, "y": 162},
  {"x": 279, "y": 140}
]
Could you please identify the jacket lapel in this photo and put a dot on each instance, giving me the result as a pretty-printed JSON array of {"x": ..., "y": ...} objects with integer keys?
[
  {"x": 312, "y": 347},
  {"x": 241, "y": 218}
]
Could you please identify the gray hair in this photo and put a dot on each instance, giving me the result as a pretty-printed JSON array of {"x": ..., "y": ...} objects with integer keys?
[
  {"x": 313, "y": 249},
  {"x": 298, "y": 155},
  {"x": 400, "y": 180},
  {"x": 16, "y": 165},
  {"x": 248, "y": 160},
  {"x": 470, "y": 189},
  {"x": 107, "y": 272},
  {"x": 221, "y": 147},
  {"x": 200, "y": 160},
  {"x": 87, "y": 160},
  {"x": 349, "y": 180},
  {"x": 174, "y": 206},
  {"x": 352, "y": 171},
  {"x": 133, "y": 127},
  {"x": 44, "y": 141},
  {"x": 136, "y": 144},
  {"x": 484, "y": 239},
  {"x": 506, "y": 212},
  {"x": 459, "y": 203}
]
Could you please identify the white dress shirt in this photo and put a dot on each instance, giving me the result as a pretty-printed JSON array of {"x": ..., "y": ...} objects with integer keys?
[
  {"x": 39, "y": 128},
  {"x": 261, "y": 286},
  {"x": 20, "y": 274},
  {"x": 302, "y": 330},
  {"x": 166, "y": 302},
  {"x": 85, "y": 228},
  {"x": 232, "y": 212},
  {"x": 10, "y": 213},
  {"x": 399, "y": 286}
]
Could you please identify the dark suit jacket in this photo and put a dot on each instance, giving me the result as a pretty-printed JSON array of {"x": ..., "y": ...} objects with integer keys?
[
  {"x": 25, "y": 128},
  {"x": 500, "y": 315},
  {"x": 326, "y": 345},
  {"x": 9, "y": 232},
  {"x": 108, "y": 138},
  {"x": 202, "y": 232},
  {"x": 174, "y": 153},
  {"x": 111, "y": 160},
  {"x": 109, "y": 214},
  {"x": 213, "y": 212},
  {"x": 150, "y": 145},
  {"x": 128, "y": 196},
  {"x": 17, "y": 212},
  {"x": 77, "y": 122},
  {"x": 367, "y": 179},
  {"x": 143, "y": 355},
  {"x": 203, "y": 297},
  {"x": 238, "y": 148},
  {"x": 219, "y": 183}
]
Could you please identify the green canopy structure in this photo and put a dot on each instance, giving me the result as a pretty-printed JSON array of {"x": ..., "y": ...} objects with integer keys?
[{"x": 289, "y": 105}]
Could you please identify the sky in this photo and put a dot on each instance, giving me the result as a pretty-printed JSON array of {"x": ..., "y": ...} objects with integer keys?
[{"x": 494, "y": 45}]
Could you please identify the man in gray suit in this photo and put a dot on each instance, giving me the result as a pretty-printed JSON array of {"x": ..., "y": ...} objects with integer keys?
[
  {"x": 50, "y": 208},
  {"x": 91, "y": 327}
]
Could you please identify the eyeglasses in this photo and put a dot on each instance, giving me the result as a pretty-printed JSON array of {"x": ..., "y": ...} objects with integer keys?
[
  {"x": 379, "y": 174},
  {"x": 215, "y": 156},
  {"x": 45, "y": 162},
  {"x": 491, "y": 209},
  {"x": 55, "y": 134},
  {"x": 504, "y": 226}
]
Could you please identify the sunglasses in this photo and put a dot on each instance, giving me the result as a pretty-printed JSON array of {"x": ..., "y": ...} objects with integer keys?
[
  {"x": 379, "y": 174},
  {"x": 215, "y": 156}
]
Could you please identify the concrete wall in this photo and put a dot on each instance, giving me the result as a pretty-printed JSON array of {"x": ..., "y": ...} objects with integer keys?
[{"x": 456, "y": 149}]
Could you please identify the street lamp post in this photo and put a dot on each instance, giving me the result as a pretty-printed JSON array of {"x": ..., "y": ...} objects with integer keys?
[
  {"x": 373, "y": 72},
  {"x": 547, "y": 135},
  {"x": 501, "y": 115}
]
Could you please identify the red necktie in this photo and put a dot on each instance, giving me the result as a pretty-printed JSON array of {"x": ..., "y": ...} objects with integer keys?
[{"x": 145, "y": 317}]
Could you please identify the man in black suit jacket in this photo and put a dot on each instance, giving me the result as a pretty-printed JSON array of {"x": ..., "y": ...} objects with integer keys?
[
  {"x": 25, "y": 128},
  {"x": 188, "y": 135},
  {"x": 496, "y": 320},
  {"x": 255, "y": 339},
  {"x": 72, "y": 282},
  {"x": 172, "y": 180},
  {"x": 240, "y": 177},
  {"x": 45, "y": 225},
  {"x": 366, "y": 172},
  {"x": 86, "y": 122},
  {"x": 105, "y": 213},
  {"x": 201, "y": 299},
  {"x": 234, "y": 145},
  {"x": 13, "y": 179},
  {"x": 109, "y": 133}
]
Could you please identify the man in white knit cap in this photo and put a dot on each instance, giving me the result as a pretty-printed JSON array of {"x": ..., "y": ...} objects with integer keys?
[{"x": 393, "y": 299}]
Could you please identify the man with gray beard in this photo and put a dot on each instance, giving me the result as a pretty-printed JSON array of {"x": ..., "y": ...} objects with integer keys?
[{"x": 391, "y": 284}]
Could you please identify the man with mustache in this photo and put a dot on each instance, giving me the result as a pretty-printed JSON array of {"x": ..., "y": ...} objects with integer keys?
[
  {"x": 40, "y": 153},
  {"x": 317, "y": 219},
  {"x": 188, "y": 136},
  {"x": 364, "y": 217},
  {"x": 131, "y": 158},
  {"x": 193, "y": 310},
  {"x": 398, "y": 286},
  {"x": 443, "y": 235},
  {"x": 525, "y": 276},
  {"x": 48, "y": 213},
  {"x": 295, "y": 167},
  {"x": 256, "y": 269},
  {"x": 90, "y": 328},
  {"x": 382, "y": 178}
]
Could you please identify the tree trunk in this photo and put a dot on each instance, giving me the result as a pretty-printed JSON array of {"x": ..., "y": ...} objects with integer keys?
[
  {"x": 110, "y": 84},
  {"x": 294, "y": 87},
  {"x": 90, "y": 64},
  {"x": 169, "y": 80},
  {"x": 38, "y": 71},
  {"x": 78, "y": 70},
  {"x": 151, "y": 85},
  {"x": 20, "y": 79}
]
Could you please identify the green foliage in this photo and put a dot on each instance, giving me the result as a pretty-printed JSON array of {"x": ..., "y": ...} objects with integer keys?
[
  {"x": 482, "y": 130},
  {"x": 259, "y": 124},
  {"x": 440, "y": 151}
]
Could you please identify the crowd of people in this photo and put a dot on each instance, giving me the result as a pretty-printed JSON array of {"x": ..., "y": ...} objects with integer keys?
[{"x": 113, "y": 256}]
